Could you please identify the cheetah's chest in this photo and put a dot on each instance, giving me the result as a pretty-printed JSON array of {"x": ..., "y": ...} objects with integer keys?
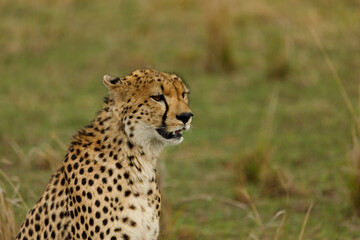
[{"x": 118, "y": 203}]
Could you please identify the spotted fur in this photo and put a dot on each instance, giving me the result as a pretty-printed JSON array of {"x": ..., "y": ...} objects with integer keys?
[{"x": 106, "y": 187}]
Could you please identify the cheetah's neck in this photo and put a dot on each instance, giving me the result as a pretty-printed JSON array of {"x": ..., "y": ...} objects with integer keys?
[{"x": 106, "y": 139}]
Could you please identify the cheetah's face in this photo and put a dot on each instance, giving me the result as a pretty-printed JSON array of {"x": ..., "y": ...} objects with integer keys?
[{"x": 152, "y": 105}]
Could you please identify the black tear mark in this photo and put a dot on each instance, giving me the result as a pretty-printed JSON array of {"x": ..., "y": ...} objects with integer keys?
[
  {"x": 115, "y": 80},
  {"x": 165, "y": 114}
]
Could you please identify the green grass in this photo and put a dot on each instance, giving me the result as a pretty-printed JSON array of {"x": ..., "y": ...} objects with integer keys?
[{"x": 54, "y": 55}]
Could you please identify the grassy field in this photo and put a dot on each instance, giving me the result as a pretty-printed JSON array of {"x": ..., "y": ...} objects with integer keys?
[{"x": 253, "y": 66}]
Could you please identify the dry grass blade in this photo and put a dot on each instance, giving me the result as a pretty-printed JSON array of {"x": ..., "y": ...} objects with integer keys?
[
  {"x": 218, "y": 25},
  {"x": 15, "y": 189},
  {"x": 7, "y": 218},
  {"x": 336, "y": 77},
  {"x": 267, "y": 125},
  {"x": 354, "y": 174},
  {"x": 209, "y": 198},
  {"x": 359, "y": 101},
  {"x": 255, "y": 211},
  {"x": 280, "y": 227},
  {"x": 301, "y": 236},
  {"x": 19, "y": 152},
  {"x": 58, "y": 141},
  {"x": 44, "y": 158}
]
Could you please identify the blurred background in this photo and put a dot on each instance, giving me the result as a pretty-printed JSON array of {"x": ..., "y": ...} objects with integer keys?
[{"x": 273, "y": 152}]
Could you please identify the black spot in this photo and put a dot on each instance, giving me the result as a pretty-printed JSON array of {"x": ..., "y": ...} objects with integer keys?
[
  {"x": 37, "y": 227},
  {"x": 127, "y": 193},
  {"x": 105, "y": 222},
  {"x": 118, "y": 165},
  {"x": 76, "y": 166},
  {"x": 105, "y": 209},
  {"x": 130, "y": 144}
]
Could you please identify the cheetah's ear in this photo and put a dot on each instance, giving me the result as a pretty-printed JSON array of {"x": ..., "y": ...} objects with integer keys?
[{"x": 110, "y": 82}]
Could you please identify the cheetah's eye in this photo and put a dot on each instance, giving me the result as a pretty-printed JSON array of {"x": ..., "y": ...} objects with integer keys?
[
  {"x": 184, "y": 94},
  {"x": 158, "y": 98}
]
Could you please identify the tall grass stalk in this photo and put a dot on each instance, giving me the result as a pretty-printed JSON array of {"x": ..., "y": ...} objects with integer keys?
[
  {"x": 218, "y": 26},
  {"x": 6, "y": 177},
  {"x": 338, "y": 81},
  {"x": 7, "y": 218},
  {"x": 354, "y": 170},
  {"x": 301, "y": 236},
  {"x": 255, "y": 211}
]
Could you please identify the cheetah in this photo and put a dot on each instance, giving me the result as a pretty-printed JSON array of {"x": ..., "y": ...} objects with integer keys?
[{"x": 106, "y": 186}]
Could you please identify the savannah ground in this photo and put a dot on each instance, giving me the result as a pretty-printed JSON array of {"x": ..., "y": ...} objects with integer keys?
[{"x": 254, "y": 70}]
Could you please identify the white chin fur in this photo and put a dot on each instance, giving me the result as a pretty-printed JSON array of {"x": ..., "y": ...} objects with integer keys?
[
  {"x": 148, "y": 137},
  {"x": 174, "y": 141}
]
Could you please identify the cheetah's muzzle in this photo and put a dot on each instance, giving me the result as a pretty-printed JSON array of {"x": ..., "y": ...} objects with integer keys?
[{"x": 169, "y": 135}]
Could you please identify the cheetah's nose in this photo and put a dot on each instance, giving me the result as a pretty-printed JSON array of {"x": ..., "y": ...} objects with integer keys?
[{"x": 184, "y": 117}]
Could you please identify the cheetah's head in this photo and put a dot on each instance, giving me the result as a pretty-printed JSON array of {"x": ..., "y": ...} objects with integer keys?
[{"x": 152, "y": 106}]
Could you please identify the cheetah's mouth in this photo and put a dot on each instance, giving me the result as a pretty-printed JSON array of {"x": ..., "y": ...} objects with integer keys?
[{"x": 169, "y": 135}]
